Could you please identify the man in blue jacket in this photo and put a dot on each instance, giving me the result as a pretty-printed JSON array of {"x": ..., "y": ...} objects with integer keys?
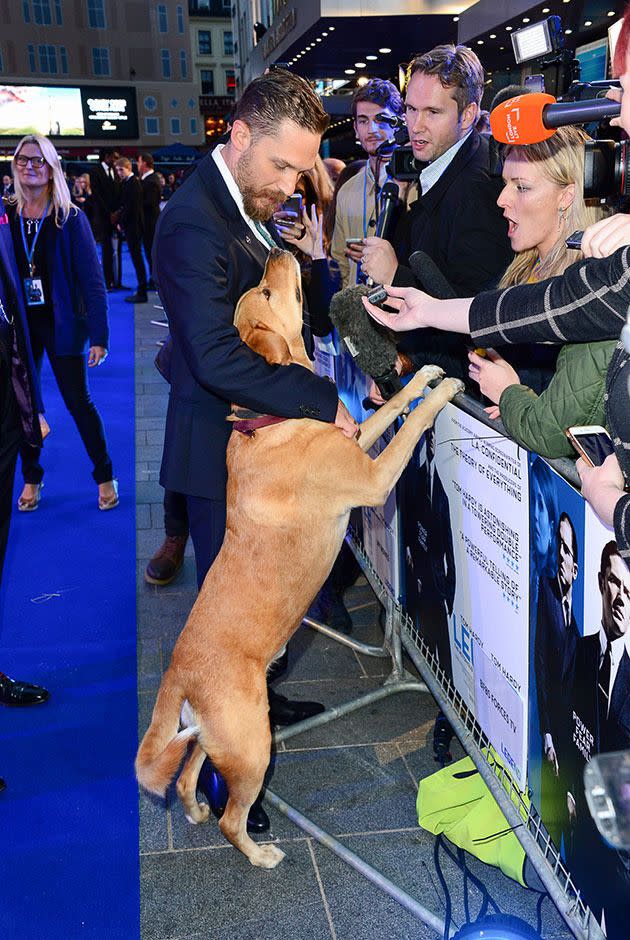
[
  {"x": 20, "y": 407},
  {"x": 211, "y": 246}
]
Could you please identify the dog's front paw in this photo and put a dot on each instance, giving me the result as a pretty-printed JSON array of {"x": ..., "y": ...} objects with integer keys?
[
  {"x": 266, "y": 856},
  {"x": 455, "y": 386},
  {"x": 421, "y": 379}
]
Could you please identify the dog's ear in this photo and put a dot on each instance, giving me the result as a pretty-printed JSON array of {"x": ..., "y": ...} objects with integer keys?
[{"x": 262, "y": 340}]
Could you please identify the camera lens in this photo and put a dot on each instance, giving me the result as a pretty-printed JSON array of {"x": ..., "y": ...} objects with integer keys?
[{"x": 606, "y": 169}]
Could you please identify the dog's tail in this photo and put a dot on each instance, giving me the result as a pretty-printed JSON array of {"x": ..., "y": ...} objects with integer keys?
[{"x": 163, "y": 746}]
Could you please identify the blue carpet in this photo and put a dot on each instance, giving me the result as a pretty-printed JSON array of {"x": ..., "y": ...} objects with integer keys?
[{"x": 69, "y": 817}]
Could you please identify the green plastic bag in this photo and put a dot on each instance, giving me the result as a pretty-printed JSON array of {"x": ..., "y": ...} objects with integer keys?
[{"x": 455, "y": 801}]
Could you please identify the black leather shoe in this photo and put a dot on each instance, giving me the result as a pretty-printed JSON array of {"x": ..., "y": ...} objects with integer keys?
[
  {"x": 278, "y": 666},
  {"x": 213, "y": 787},
  {"x": 282, "y": 711},
  {"x": 14, "y": 692},
  {"x": 137, "y": 299}
]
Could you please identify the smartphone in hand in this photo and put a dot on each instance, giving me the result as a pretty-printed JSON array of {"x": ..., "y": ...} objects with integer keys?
[{"x": 592, "y": 443}]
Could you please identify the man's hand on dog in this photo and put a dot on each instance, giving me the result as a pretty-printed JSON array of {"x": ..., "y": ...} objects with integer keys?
[{"x": 345, "y": 422}]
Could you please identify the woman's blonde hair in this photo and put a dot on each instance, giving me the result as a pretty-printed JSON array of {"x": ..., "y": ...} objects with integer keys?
[
  {"x": 57, "y": 186},
  {"x": 561, "y": 159}
]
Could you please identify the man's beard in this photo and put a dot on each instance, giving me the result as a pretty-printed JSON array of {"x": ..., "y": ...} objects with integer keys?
[{"x": 259, "y": 204}]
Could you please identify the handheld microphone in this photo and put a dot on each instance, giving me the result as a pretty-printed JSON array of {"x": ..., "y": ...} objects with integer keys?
[
  {"x": 387, "y": 205},
  {"x": 431, "y": 279},
  {"x": 374, "y": 352},
  {"x": 532, "y": 118}
]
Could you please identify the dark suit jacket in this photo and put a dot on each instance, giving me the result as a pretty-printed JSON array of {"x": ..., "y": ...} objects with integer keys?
[
  {"x": 131, "y": 212},
  {"x": 459, "y": 225},
  {"x": 23, "y": 375},
  {"x": 205, "y": 257},
  {"x": 554, "y": 658},
  {"x": 151, "y": 197},
  {"x": 105, "y": 200}
]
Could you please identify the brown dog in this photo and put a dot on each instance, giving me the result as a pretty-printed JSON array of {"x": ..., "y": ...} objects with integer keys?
[{"x": 291, "y": 487}]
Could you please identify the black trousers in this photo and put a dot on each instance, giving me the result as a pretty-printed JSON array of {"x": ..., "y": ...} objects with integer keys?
[
  {"x": 10, "y": 437},
  {"x": 107, "y": 253},
  {"x": 71, "y": 375},
  {"x": 175, "y": 514},
  {"x": 134, "y": 243},
  {"x": 207, "y": 529},
  {"x": 147, "y": 241}
]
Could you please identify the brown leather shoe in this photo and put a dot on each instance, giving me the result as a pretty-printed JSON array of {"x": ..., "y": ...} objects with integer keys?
[{"x": 167, "y": 561}]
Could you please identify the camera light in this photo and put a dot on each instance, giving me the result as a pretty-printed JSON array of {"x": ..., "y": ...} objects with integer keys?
[{"x": 531, "y": 42}]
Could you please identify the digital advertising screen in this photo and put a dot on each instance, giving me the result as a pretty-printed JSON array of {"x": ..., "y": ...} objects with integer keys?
[{"x": 95, "y": 112}]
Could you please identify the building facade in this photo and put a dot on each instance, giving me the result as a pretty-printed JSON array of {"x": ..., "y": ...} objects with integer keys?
[
  {"x": 213, "y": 57},
  {"x": 138, "y": 45}
]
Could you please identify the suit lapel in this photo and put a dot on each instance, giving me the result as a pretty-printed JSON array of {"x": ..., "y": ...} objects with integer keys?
[
  {"x": 621, "y": 688},
  {"x": 463, "y": 156},
  {"x": 220, "y": 196}
]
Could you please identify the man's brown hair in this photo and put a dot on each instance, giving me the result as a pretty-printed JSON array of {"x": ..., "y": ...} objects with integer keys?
[
  {"x": 457, "y": 67},
  {"x": 279, "y": 96},
  {"x": 147, "y": 159}
]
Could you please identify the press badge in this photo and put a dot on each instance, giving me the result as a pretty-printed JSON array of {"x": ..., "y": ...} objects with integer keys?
[{"x": 34, "y": 292}]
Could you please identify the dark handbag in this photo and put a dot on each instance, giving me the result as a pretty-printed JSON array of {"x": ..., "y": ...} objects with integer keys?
[{"x": 163, "y": 359}]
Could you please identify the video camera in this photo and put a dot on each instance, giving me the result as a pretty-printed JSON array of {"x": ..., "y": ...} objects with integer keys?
[
  {"x": 606, "y": 162},
  {"x": 402, "y": 166}
]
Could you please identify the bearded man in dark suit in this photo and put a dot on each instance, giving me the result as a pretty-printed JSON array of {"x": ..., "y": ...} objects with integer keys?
[{"x": 211, "y": 245}]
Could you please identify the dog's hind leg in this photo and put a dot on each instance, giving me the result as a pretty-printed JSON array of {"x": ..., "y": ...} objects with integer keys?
[
  {"x": 187, "y": 787},
  {"x": 243, "y": 767}
]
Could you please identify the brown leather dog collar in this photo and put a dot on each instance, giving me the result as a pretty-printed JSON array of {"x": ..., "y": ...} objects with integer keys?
[{"x": 248, "y": 422}]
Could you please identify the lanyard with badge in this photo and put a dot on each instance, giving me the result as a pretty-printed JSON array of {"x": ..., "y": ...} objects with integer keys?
[{"x": 33, "y": 286}]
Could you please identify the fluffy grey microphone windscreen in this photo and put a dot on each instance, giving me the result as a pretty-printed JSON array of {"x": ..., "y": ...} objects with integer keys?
[{"x": 373, "y": 352}]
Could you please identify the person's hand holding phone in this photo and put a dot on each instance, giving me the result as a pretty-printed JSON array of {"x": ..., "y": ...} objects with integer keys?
[
  {"x": 602, "y": 486},
  {"x": 354, "y": 249},
  {"x": 311, "y": 238}
]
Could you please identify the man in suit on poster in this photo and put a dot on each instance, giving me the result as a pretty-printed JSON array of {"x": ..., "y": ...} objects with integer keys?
[
  {"x": 211, "y": 245},
  {"x": 601, "y": 722},
  {"x": 554, "y": 659},
  {"x": 430, "y": 557}
]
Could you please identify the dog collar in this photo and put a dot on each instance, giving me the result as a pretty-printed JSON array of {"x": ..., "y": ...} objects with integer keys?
[{"x": 248, "y": 422}]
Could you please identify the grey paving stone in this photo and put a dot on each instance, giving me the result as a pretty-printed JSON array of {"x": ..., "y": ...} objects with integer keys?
[
  {"x": 217, "y": 893},
  {"x": 143, "y": 516}
]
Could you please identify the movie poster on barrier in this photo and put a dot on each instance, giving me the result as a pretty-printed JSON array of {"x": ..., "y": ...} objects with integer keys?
[
  {"x": 380, "y": 523},
  {"x": 557, "y": 590},
  {"x": 381, "y": 532},
  {"x": 325, "y": 354},
  {"x": 465, "y": 547},
  {"x": 599, "y": 717}
]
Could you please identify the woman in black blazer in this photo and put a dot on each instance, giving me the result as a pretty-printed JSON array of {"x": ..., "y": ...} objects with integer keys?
[{"x": 66, "y": 303}]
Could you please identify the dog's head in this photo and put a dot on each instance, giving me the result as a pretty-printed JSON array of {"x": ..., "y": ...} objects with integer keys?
[{"x": 269, "y": 317}]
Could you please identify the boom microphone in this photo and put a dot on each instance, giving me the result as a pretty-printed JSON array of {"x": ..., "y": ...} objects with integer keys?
[
  {"x": 374, "y": 353},
  {"x": 387, "y": 204},
  {"x": 532, "y": 118},
  {"x": 431, "y": 279}
]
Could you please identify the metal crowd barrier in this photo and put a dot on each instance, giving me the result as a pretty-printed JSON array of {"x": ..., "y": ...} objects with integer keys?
[{"x": 400, "y": 633}]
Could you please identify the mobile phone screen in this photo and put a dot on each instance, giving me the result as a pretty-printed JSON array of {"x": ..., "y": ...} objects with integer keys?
[{"x": 596, "y": 446}]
